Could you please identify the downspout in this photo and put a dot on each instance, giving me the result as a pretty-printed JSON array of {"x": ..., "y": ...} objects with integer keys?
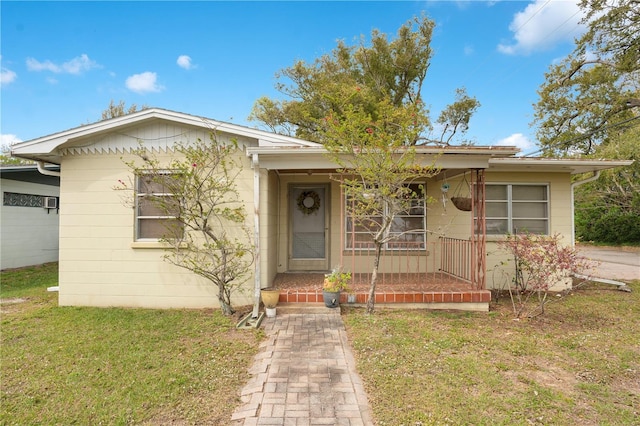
[
  {"x": 255, "y": 163},
  {"x": 46, "y": 172},
  {"x": 596, "y": 175}
]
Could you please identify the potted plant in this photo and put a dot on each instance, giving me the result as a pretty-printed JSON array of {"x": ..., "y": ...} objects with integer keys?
[
  {"x": 333, "y": 284},
  {"x": 270, "y": 297}
]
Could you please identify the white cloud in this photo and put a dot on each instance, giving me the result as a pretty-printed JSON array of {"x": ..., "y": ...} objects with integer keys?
[
  {"x": 144, "y": 82},
  {"x": 6, "y": 140},
  {"x": 184, "y": 61},
  {"x": 35, "y": 65},
  {"x": 518, "y": 140},
  {"x": 6, "y": 75},
  {"x": 75, "y": 66},
  {"x": 543, "y": 24},
  {"x": 79, "y": 64}
]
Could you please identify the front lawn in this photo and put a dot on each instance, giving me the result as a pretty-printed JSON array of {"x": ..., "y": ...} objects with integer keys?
[
  {"x": 579, "y": 364},
  {"x": 65, "y": 365}
]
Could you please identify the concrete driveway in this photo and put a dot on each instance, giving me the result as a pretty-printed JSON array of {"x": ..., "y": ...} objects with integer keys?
[{"x": 616, "y": 263}]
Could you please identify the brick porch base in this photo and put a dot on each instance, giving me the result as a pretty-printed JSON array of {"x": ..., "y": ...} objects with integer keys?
[{"x": 435, "y": 292}]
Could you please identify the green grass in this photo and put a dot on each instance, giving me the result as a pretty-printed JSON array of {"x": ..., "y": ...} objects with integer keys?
[
  {"x": 28, "y": 281},
  {"x": 66, "y": 365},
  {"x": 579, "y": 364}
]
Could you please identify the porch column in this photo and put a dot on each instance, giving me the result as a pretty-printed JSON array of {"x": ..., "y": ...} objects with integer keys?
[
  {"x": 478, "y": 230},
  {"x": 255, "y": 163}
]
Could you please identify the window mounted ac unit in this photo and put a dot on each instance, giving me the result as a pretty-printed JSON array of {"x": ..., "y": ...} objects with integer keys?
[{"x": 50, "y": 202}]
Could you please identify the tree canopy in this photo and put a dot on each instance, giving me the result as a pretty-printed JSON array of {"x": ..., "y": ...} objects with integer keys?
[
  {"x": 589, "y": 106},
  {"x": 607, "y": 210},
  {"x": 391, "y": 71},
  {"x": 118, "y": 110},
  {"x": 596, "y": 88}
]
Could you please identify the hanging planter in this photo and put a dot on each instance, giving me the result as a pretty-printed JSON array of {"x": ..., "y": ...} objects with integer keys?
[{"x": 462, "y": 203}]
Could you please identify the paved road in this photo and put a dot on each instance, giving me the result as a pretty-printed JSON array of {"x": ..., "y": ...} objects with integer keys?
[{"x": 615, "y": 263}]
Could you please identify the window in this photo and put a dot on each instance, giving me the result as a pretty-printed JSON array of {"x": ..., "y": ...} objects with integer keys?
[
  {"x": 156, "y": 208},
  {"x": 407, "y": 232},
  {"x": 515, "y": 208}
]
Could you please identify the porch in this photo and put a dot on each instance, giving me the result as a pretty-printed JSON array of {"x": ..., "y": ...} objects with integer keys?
[
  {"x": 444, "y": 269},
  {"x": 441, "y": 277}
]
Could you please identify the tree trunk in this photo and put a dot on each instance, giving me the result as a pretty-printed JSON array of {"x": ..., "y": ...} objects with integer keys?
[
  {"x": 225, "y": 302},
  {"x": 374, "y": 280}
]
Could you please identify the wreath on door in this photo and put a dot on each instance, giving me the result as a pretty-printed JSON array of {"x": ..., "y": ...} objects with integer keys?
[{"x": 308, "y": 202}]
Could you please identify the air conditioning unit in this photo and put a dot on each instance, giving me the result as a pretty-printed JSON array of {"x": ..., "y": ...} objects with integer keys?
[{"x": 50, "y": 202}]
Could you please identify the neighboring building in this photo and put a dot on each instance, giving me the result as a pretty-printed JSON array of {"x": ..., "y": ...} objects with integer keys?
[
  {"x": 29, "y": 216},
  {"x": 106, "y": 258}
]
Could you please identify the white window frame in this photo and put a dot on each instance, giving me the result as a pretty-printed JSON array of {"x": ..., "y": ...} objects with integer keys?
[
  {"x": 350, "y": 234},
  {"x": 509, "y": 201},
  {"x": 139, "y": 195}
]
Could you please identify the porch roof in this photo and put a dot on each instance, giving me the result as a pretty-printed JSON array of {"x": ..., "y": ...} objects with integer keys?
[{"x": 314, "y": 158}]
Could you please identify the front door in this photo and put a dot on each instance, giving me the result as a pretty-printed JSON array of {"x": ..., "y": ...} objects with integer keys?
[{"x": 309, "y": 231}]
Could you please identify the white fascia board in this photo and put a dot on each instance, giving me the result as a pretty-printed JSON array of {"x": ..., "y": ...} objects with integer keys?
[
  {"x": 473, "y": 151},
  {"x": 546, "y": 165},
  {"x": 304, "y": 158},
  {"x": 487, "y": 151}
]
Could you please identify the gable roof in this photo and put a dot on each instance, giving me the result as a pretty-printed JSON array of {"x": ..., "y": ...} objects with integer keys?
[{"x": 45, "y": 148}]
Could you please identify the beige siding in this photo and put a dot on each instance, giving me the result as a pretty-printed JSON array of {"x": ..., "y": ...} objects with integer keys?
[
  {"x": 443, "y": 218},
  {"x": 29, "y": 234},
  {"x": 270, "y": 215},
  {"x": 99, "y": 265},
  {"x": 559, "y": 214}
]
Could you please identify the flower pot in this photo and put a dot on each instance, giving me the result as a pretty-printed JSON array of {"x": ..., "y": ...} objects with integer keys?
[
  {"x": 331, "y": 299},
  {"x": 271, "y": 312},
  {"x": 270, "y": 297}
]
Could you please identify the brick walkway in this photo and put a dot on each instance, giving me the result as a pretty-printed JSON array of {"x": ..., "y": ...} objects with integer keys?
[{"x": 304, "y": 374}]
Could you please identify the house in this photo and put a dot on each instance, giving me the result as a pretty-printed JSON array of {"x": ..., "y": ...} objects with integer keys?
[
  {"x": 108, "y": 258},
  {"x": 29, "y": 215}
]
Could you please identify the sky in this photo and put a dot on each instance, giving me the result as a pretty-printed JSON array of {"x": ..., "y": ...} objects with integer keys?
[{"x": 63, "y": 62}]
